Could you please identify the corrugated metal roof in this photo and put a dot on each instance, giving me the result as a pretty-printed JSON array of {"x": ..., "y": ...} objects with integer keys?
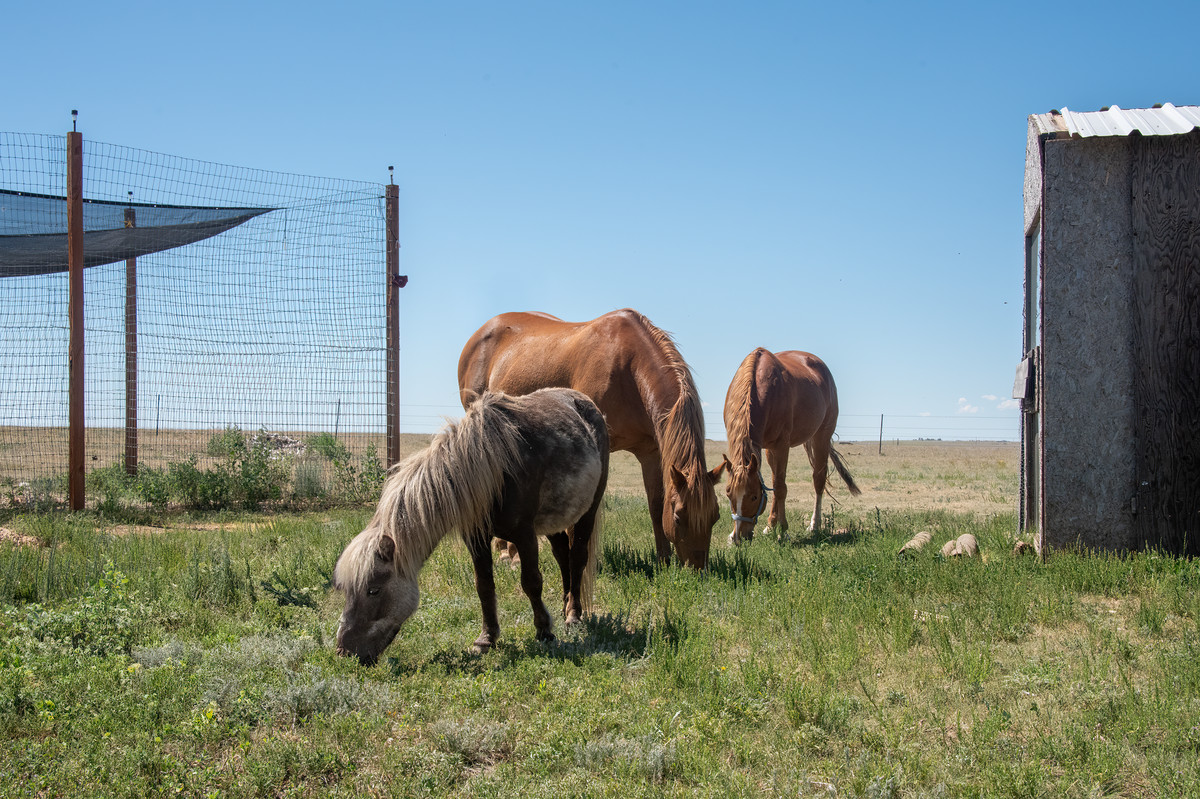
[{"x": 1166, "y": 120}]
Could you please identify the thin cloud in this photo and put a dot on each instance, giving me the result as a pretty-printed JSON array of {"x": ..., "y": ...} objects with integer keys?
[
  {"x": 966, "y": 407},
  {"x": 1009, "y": 405}
]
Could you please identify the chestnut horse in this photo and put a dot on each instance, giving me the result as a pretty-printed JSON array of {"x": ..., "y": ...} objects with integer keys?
[
  {"x": 778, "y": 401},
  {"x": 512, "y": 467},
  {"x": 636, "y": 376}
]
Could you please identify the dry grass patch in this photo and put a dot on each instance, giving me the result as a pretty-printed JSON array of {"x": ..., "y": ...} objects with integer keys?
[{"x": 13, "y": 537}]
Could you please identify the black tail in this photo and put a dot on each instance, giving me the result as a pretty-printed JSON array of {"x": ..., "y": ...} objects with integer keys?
[{"x": 840, "y": 465}]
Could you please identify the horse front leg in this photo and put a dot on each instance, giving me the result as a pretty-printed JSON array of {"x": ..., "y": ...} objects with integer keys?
[
  {"x": 652, "y": 479},
  {"x": 531, "y": 583},
  {"x": 485, "y": 586},
  {"x": 778, "y": 460}
]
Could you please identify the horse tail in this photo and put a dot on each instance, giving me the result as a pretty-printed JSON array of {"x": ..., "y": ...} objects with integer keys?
[
  {"x": 587, "y": 586},
  {"x": 840, "y": 465},
  {"x": 591, "y": 414}
]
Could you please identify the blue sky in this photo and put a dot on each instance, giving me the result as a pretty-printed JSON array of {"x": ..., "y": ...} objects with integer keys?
[{"x": 842, "y": 178}]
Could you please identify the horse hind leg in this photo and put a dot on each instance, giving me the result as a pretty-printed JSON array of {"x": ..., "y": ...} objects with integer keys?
[
  {"x": 531, "y": 584},
  {"x": 818, "y": 458},
  {"x": 560, "y": 545},
  {"x": 507, "y": 552},
  {"x": 579, "y": 563}
]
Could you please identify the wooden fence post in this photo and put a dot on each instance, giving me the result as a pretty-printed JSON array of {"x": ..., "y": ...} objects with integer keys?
[
  {"x": 75, "y": 380},
  {"x": 394, "y": 283},
  {"x": 131, "y": 363}
]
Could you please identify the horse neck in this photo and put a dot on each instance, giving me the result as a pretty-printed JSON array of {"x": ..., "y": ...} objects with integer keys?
[
  {"x": 421, "y": 505},
  {"x": 671, "y": 400},
  {"x": 746, "y": 429}
]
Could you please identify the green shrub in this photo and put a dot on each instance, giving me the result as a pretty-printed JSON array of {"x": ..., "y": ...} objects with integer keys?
[
  {"x": 108, "y": 619},
  {"x": 361, "y": 482},
  {"x": 327, "y": 444},
  {"x": 309, "y": 480}
]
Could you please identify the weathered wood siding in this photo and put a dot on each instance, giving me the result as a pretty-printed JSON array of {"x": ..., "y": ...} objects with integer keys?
[
  {"x": 1166, "y": 229},
  {"x": 1087, "y": 344},
  {"x": 1120, "y": 338}
]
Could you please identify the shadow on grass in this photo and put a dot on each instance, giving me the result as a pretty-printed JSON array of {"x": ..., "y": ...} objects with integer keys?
[
  {"x": 843, "y": 536},
  {"x": 733, "y": 566},
  {"x": 600, "y": 634},
  {"x": 623, "y": 561}
]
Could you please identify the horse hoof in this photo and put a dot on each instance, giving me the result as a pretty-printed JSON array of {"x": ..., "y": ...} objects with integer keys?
[
  {"x": 482, "y": 645},
  {"x": 573, "y": 618}
]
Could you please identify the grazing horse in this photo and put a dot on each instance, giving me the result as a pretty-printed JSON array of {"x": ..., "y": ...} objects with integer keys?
[
  {"x": 512, "y": 468},
  {"x": 636, "y": 376},
  {"x": 778, "y": 401}
]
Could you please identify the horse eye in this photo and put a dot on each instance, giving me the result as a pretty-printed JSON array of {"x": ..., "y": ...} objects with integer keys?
[{"x": 373, "y": 591}]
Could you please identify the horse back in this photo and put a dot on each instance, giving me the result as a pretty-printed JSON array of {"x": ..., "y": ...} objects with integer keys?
[
  {"x": 800, "y": 397},
  {"x": 605, "y": 359},
  {"x": 564, "y": 468}
]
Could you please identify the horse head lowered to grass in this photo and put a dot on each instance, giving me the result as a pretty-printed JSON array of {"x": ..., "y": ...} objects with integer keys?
[
  {"x": 512, "y": 468},
  {"x": 778, "y": 401},
  {"x": 636, "y": 376}
]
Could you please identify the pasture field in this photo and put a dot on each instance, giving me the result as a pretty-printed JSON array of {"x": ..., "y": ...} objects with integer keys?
[{"x": 181, "y": 654}]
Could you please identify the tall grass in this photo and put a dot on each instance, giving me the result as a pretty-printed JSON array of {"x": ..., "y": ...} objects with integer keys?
[{"x": 197, "y": 659}]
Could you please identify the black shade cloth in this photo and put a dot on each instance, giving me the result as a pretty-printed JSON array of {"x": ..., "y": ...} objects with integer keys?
[{"x": 33, "y": 238}]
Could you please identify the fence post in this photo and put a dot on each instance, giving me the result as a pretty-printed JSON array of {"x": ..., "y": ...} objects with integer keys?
[
  {"x": 75, "y": 381},
  {"x": 394, "y": 284},
  {"x": 881, "y": 434},
  {"x": 131, "y": 365}
]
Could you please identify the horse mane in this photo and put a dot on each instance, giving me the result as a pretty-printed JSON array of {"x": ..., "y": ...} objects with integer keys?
[
  {"x": 741, "y": 397},
  {"x": 680, "y": 431},
  {"x": 450, "y": 485}
]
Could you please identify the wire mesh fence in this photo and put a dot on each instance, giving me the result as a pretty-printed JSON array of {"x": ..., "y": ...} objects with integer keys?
[{"x": 216, "y": 298}]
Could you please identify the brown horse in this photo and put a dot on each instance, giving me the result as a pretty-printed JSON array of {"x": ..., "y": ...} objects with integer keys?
[
  {"x": 778, "y": 401},
  {"x": 512, "y": 467},
  {"x": 636, "y": 376}
]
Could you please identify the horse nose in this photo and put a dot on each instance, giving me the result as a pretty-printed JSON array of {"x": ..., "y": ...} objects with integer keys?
[{"x": 696, "y": 557}]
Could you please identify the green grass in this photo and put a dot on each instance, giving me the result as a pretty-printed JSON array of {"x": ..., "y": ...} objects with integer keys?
[{"x": 197, "y": 660}]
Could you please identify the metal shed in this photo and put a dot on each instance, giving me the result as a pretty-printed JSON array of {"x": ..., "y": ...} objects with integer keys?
[{"x": 1110, "y": 380}]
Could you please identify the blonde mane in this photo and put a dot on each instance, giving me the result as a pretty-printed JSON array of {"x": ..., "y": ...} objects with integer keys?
[
  {"x": 680, "y": 431},
  {"x": 451, "y": 485},
  {"x": 741, "y": 397}
]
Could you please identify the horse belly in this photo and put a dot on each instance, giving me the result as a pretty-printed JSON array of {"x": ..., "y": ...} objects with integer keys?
[{"x": 565, "y": 496}]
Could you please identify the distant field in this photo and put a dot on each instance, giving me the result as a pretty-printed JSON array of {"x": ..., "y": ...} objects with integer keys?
[
  {"x": 956, "y": 476},
  {"x": 977, "y": 477},
  {"x": 31, "y": 452}
]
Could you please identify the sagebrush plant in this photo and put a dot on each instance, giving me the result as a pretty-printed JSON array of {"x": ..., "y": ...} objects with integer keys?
[
  {"x": 816, "y": 665},
  {"x": 362, "y": 481},
  {"x": 328, "y": 445},
  {"x": 247, "y": 474}
]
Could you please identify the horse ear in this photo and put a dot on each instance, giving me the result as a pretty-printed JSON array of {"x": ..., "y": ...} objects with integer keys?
[
  {"x": 678, "y": 481},
  {"x": 753, "y": 463},
  {"x": 386, "y": 551},
  {"x": 714, "y": 476}
]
